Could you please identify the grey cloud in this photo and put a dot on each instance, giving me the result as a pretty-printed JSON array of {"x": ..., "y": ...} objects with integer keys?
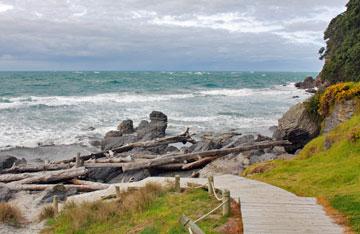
[{"x": 164, "y": 35}]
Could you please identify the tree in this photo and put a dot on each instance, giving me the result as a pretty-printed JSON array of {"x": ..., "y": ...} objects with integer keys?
[{"x": 342, "y": 54}]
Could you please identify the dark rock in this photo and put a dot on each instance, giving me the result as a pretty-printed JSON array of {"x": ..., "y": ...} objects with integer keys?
[
  {"x": 308, "y": 83},
  {"x": 115, "y": 142},
  {"x": 158, "y": 116},
  {"x": 204, "y": 146},
  {"x": 310, "y": 90},
  {"x": 295, "y": 96},
  {"x": 104, "y": 174},
  {"x": 171, "y": 149},
  {"x": 297, "y": 126},
  {"x": 240, "y": 140},
  {"x": 126, "y": 127},
  {"x": 5, "y": 194},
  {"x": 262, "y": 138},
  {"x": 7, "y": 161},
  {"x": 130, "y": 176},
  {"x": 113, "y": 134},
  {"x": 142, "y": 125},
  {"x": 59, "y": 190},
  {"x": 155, "y": 129}
]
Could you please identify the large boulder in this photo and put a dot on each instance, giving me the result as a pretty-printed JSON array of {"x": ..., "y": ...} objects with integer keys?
[
  {"x": 155, "y": 129},
  {"x": 341, "y": 112},
  {"x": 308, "y": 83},
  {"x": 6, "y": 161},
  {"x": 126, "y": 127},
  {"x": 297, "y": 126}
]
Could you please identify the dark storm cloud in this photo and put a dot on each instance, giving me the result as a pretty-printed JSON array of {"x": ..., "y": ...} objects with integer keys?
[{"x": 164, "y": 35}]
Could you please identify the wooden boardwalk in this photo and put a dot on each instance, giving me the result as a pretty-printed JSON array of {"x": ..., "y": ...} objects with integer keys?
[{"x": 265, "y": 208}]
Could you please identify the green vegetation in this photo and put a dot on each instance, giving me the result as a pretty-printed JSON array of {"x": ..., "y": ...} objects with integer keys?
[
  {"x": 10, "y": 214},
  {"x": 327, "y": 167},
  {"x": 342, "y": 54},
  {"x": 321, "y": 103},
  {"x": 149, "y": 210}
]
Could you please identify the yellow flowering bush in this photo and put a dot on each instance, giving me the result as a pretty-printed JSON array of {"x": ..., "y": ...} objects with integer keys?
[{"x": 337, "y": 93}]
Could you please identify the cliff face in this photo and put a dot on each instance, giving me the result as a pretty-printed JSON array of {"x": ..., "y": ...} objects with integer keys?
[{"x": 341, "y": 112}]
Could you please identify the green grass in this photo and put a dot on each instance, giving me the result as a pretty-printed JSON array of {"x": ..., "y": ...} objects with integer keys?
[
  {"x": 160, "y": 215},
  {"x": 332, "y": 173}
]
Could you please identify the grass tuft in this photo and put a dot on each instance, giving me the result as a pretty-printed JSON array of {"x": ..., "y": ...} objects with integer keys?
[
  {"x": 10, "y": 214},
  {"x": 47, "y": 212}
]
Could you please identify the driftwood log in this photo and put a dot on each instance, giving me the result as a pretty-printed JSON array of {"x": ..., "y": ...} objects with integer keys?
[
  {"x": 93, "y": 185},
  {"x": 42, "y": 187},
  {"x": 184, "y": 138},
  {"x": 174, "y": 158},
  {"x": 52, "y": 176},
  {"x": 35, "y": 168},
  {"x": 197, "y": 164}
]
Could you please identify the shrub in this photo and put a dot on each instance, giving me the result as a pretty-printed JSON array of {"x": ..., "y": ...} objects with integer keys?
[
  {"x": 342, "y": 54},
  {"x": 337, "y": 93},
  {"x": 312, "y": 106},
  {"x": 10, "y": 214}
]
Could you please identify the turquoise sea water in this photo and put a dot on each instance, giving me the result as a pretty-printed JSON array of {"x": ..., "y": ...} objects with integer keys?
[{"x": 59, "y": 107}]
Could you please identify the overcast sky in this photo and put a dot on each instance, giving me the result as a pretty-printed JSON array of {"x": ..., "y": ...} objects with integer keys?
[{"x": 164, "y": 34}]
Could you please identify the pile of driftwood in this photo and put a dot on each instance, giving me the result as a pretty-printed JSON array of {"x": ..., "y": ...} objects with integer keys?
[{"x": 71, "y": 171}]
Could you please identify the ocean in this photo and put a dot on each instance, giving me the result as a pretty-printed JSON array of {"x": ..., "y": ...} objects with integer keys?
[{"x": 75, "y": 107}]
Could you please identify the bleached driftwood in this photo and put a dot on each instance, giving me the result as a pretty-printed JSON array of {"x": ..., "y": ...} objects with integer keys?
[
  {"x": 184, "y": 138},
  {"x": 173, "y": 158},
  {"x": 35, "y": 168},
  {"x": 53, "y": 176}
]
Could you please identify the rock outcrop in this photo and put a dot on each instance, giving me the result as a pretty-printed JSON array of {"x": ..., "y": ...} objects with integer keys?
[
  {"x": 297, "y": 126},
  {"x": 308, "y": 83},
  {"x": 126, "y": 133},
  {"x": 126, "y": 127},
  {"x": 341, "y": 112}
]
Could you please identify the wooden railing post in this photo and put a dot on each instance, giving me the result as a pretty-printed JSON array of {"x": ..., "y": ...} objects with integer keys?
[
  {"x": 240, "y": 214},
  {"x": 188, "y": 223},
  {"x": 55, "y": 204},
  {"x": 177, "y": 184},
  {"x": 226, "y": 206},
  {"x": 210, "y": 185}
]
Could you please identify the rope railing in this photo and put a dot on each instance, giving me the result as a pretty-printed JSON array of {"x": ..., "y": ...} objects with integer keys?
[{"x": 225, "y": 204}]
